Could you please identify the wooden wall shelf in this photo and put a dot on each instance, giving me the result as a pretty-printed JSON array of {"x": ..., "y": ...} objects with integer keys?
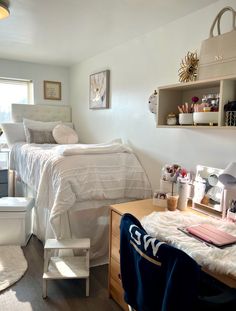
[{"x": 170, "y": 96}]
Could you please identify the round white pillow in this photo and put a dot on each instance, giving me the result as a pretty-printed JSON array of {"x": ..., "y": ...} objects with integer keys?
[{"x": 64, "y": 134}]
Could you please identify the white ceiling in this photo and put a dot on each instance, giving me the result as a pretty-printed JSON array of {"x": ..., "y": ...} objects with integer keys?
[{"x": 67, "y": 31}]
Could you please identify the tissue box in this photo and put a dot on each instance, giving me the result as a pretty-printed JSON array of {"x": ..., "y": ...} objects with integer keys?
[
  {"x": 159, "y": 199},
  {"x": 159, "y": 202}
]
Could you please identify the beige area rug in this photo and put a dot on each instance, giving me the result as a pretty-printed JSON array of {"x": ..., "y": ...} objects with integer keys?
[{"x": 12, "y": 265}]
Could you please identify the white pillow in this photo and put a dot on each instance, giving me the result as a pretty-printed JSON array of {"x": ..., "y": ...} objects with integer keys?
[
  {"x": 37, "y": 125},
  {"x": 70, "y": 124},
  {"x": 14, "y": 133},
  {"x": 64, "y": 134}
]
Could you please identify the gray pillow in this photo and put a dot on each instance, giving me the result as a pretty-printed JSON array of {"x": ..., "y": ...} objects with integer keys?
[
  {"x": 41, "y": 137},
  {"x": 38, "y": 125}
]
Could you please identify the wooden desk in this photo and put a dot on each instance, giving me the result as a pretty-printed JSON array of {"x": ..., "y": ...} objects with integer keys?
[{"x": 139, "y": 209}]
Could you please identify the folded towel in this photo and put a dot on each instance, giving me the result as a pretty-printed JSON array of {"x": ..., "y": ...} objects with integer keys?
[{"x": 74, "y": 149}]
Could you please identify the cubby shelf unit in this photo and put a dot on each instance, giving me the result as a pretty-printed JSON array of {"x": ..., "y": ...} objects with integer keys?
[{"x": 170, "y": 96}]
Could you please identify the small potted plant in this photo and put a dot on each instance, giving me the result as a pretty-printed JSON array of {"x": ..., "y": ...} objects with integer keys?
[
  {"x": 177, "y": 180},
  {"x": 172, "y": 197}
]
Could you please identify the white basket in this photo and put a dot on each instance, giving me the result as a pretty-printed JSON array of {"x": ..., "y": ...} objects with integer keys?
[
  {"x": 185, "y": 118},
  {"x": 209, "y": 118},
  {"x": 230, "y": 118}
]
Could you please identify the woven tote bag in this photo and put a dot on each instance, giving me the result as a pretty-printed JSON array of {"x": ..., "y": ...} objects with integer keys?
[{"x": 218, "y": 53}]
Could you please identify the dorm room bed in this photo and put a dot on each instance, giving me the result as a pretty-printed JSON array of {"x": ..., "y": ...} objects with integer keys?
[{"x": 73, "y": 192}]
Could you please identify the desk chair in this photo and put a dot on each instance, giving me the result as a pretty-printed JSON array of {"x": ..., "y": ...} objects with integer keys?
[
  {"x": 214, "y": 295},
  {"x": 155, "y": 276},
  {"x": 158, "y": 277}
]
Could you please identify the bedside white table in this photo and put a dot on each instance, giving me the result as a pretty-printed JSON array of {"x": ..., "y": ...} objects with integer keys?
[{"x": 66, "y": 267}]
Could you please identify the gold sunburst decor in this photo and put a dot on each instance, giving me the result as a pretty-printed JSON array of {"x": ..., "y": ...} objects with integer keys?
[{"x": 188, "y": 67}]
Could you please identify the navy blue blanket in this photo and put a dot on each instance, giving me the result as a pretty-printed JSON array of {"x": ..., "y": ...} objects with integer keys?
[{"x": 155, "y": 276}]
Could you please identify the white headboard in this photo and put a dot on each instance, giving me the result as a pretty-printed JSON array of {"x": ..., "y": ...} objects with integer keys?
[{"x": 41, "y": 112}]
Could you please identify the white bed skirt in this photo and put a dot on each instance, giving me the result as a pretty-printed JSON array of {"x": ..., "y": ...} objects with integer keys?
[{"x": 89, "y": 219}]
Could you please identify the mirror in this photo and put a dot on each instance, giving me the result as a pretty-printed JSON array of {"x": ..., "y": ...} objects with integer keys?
[{"x": 208, "y": 189}]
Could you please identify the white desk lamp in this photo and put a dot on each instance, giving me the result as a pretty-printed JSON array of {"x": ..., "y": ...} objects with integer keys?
[{"x": 228, "y": 179}]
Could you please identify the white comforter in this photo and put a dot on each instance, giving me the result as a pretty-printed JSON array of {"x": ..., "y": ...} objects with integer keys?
[{"x": 59, "y": 181}]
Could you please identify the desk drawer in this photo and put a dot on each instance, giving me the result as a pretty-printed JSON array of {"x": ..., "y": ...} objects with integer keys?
[
  {"x": 115, "y": 271},
  {"x": 115, "y": 248},
  {"x": 3, "y": 176},
  {"x": 117, "y": 294},
  {"x": 115, "y": 287},
  {"x": 115, "y": 224}
]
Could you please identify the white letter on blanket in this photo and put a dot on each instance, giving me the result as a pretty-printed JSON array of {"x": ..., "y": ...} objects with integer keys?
[
  {"x": 147, "y": 240},
  {"x": 138, "y": 240}
]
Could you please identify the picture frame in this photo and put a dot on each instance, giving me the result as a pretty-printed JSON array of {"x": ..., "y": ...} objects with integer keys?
[
  {"x": 52, "y": 90},
  {"x": 99, "y": 90}
]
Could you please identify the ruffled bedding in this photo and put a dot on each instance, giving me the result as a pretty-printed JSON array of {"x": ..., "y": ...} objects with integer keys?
[{"x": 89, "y": 173}]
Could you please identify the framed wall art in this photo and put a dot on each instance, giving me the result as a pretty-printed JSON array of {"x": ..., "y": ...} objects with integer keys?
[
  {"x": 52, "y": 90},
  {"x": 99, "y": 90}
]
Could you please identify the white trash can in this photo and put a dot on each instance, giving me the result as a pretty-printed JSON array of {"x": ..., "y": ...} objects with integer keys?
[{"x": 15, "y": 220}]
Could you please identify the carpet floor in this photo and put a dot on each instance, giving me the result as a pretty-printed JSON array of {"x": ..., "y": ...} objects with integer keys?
[
  {"x": 66, "y": 295},
  {"x": 12, "y": 265}
]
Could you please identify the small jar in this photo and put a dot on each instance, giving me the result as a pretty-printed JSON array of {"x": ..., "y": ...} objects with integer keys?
[{"x": 171, "y": 119}]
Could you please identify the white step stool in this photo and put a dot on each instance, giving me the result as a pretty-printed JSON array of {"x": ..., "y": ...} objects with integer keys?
[
  {"x": 67, "y": 267},
  {"x": 15, "y": 220}
]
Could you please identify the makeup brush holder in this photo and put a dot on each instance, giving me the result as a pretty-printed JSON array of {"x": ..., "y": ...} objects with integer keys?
[{"x": 185, "y": 118}]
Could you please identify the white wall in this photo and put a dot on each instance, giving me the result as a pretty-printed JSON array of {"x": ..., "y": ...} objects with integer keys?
[
  {"x": 37, "y": 73},
  {"x": 137, "y": 68}
]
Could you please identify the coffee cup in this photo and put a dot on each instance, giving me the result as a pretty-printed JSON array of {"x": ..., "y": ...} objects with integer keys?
[{"x": 172, "y": 201}]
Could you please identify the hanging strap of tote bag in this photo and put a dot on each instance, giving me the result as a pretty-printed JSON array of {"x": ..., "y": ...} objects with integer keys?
[
  {"x": 218, "y": 19},
  {"x": 218, "y": 53}
]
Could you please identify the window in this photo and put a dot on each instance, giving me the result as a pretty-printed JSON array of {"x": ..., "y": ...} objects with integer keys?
[{"x": 13, "y": 91}]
